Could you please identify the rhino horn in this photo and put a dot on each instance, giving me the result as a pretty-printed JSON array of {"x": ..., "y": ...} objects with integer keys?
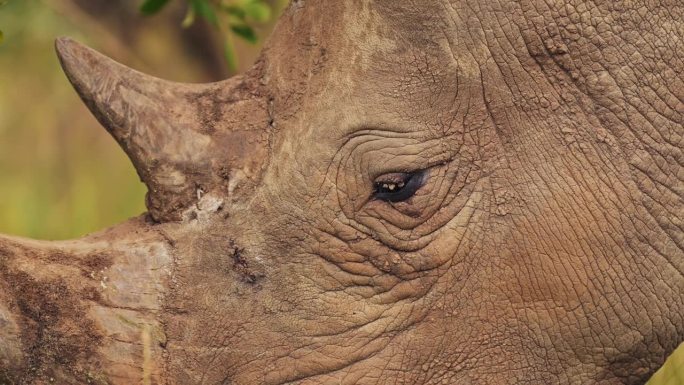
[{"x": 183, "y": 139}]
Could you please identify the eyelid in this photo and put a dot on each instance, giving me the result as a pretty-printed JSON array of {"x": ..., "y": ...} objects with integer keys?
[{"x": 395, "y": 177}]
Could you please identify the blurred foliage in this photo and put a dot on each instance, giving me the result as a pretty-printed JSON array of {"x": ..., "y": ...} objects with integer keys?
[
  {"x": 231, "y": 18},
  {"x": 61, "y": 175},
  {"x": 2, "y": 34}
]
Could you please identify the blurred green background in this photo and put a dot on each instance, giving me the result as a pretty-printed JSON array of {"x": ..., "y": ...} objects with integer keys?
[{"x": 61, "y": 175}]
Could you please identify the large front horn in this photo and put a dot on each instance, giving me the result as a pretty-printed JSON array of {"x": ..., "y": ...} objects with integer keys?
[{"x": 183, "y": 139}]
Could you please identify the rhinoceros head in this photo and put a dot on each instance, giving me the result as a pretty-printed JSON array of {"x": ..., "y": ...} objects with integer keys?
[{"x": 434, "y": 192}]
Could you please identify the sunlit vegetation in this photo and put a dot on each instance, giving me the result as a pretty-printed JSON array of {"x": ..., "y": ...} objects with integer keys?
[{"x": 232, "y": 18}]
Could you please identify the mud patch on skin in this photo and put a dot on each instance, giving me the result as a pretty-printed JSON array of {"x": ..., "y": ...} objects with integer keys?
[
  {"x": 97, "y": 262},
  {"x": 241, "y": 266},
  {"x": 94, "y": 267},
  {"x": 56, "y": 335}
]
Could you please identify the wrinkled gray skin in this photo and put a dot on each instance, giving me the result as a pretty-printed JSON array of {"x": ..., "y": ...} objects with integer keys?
[{"x": 545, "y": 246}]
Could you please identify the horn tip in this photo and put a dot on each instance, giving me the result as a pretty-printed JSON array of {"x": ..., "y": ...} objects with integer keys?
[
  {"x": 63, "y": 41},
  {"x": 65, "y": 46},
  {"x": 70, "y": 54}
]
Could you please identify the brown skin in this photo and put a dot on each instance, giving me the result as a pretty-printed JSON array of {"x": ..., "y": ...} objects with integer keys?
[{"x": 543, "y": 247}]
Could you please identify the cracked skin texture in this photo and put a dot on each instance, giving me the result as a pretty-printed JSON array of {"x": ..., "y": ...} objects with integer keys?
[{"x": 545, "y": 246}]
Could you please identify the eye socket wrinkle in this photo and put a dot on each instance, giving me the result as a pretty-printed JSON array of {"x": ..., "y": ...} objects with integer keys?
[{"x": 398, "y": 187}]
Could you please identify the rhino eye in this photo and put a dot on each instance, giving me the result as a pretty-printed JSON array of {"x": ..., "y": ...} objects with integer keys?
[{"x": 397, "y": 187}]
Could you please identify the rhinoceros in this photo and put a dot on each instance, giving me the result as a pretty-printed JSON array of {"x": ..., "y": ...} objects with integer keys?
[{"x": 397, "y": 192}]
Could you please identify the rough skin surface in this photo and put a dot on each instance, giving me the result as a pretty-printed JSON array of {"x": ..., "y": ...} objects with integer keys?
[{"x": 544, "y": 246}]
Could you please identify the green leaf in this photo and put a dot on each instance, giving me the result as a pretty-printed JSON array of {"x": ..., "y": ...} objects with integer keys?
[
  {"x": 229, "y": 54},
  {"x": 189, "y": 18},
  {"x": 245, "y": 31},
  {"x": 235, "y": 11},
  {"x": 150, "y": 7},
  {"x": 258, "y": 11},
  {"x": 206, "y": 11}
]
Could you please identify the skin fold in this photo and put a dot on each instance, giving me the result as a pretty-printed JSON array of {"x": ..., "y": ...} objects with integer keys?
[{"x": 543, "y": 245}]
